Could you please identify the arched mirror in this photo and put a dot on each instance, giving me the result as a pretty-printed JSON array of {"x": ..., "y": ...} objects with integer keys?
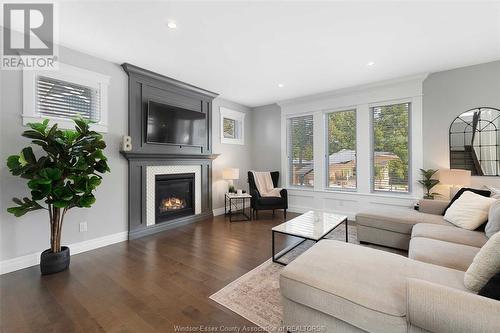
[{"x": 474, "y": 142}]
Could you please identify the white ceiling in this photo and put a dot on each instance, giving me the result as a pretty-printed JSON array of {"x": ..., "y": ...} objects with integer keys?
[{"x": 244, "y": 50}]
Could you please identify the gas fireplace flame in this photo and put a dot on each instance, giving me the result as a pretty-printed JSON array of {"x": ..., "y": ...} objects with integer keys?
[{"x": 172, "y": 203}]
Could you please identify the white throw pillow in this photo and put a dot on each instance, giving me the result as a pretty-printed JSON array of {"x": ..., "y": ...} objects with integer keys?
[
  {"x": 485, "y": 264},
  {"x": 469, "y": 211}
]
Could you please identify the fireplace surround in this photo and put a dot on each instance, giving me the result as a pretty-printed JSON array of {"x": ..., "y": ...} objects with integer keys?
[{"x": 170, "y": 162}]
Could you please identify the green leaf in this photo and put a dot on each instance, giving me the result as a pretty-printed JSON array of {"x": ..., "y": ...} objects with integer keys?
[
  {"x": 28, "y": 156},
  {"x": 31, "y": 134},
  {"x": 13, "y": 162},
  {"x": 87, "y": 200}
]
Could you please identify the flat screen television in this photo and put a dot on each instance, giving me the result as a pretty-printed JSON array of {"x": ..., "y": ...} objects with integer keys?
[{"x": 173, "y": 125}]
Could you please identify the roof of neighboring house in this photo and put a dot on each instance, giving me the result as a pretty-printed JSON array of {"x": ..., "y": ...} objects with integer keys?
[{"x": 342, "y": 157}]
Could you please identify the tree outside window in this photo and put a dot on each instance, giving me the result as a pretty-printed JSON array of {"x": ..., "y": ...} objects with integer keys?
[
  {"x": 301, "y": 159},
  {"x": 390, "y": 145}
]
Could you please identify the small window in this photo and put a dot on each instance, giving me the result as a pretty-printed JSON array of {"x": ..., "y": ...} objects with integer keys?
[
  {"x": 229, "y": 126},
  {"x": 390, "y": 155},
  {"x": 65, "y": 94},
  {"x": 232, "y": 126},
  {"x": 62, "y": 99},
  {"x": 341, "y": 148},
  {"x": 300, "y": 151}
]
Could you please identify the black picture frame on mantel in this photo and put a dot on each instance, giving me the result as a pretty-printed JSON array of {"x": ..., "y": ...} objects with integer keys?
[{"x": 145, "y": 85}]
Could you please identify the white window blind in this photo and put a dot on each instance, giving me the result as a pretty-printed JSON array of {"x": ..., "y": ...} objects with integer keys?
[
  {"x": 390, "y": 156},
  {"x": 300, "y": 154},
  {"x": 341, "y": 149},
  {"x": 62, "y": 99}
]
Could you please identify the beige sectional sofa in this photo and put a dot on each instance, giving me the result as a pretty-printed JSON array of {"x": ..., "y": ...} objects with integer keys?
[
  {"x": 392, "y": 226},
  {"x": 340, "y": 287}
]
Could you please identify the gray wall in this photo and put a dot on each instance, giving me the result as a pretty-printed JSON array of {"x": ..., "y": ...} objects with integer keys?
[
  {"x": 30, "y": 233},
  {"x": 266, "y": 132},
  {"x": 231, "y": 156},
  {"x": 446, "y": 95}
]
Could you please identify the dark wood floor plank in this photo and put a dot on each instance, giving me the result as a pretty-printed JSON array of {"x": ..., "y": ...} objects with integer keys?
[{"x": 144, "y": 285}]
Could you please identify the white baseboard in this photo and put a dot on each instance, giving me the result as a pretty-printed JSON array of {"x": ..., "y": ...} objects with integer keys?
[
  {"x": 220, "y": 211},
  {"x": 32, "y": 259}
]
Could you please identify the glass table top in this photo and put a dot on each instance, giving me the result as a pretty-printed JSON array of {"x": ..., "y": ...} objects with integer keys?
[{"x": 312, "y": 224}]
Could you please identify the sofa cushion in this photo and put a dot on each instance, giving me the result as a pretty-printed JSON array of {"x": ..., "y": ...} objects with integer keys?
[
  {"x": 399, "y": 220},
  {"x": 469, "y": 211},
  {"x": 270, "y": 201},
  {"x": 449, "y": 233},
  {"x": 484, "y": 265},
  {"x": 362, "y": 286},
  {"x": 446, "y": 254}
]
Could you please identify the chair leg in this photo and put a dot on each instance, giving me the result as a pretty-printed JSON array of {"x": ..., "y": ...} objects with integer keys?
[
  {"x": 273, "y": 213},
  {"x": 284, "y": 213},
  {"x": 256, "y": 214}
]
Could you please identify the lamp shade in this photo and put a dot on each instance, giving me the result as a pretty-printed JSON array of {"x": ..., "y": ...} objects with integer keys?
[
  {"x": 231, "y": 173},
  {"x": 454, "y": 177}
]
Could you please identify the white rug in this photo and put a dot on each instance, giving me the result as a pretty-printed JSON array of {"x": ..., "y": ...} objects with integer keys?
[{"x": 256, "y": 296}]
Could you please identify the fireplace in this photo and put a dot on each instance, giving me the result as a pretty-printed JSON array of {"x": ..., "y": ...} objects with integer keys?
[{"x": 174, "y": 196}]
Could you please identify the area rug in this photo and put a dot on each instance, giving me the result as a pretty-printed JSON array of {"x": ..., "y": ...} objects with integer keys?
[{"x": 256, "y": 296}]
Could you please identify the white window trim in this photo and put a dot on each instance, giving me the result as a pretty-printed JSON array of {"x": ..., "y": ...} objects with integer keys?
[
  {"x": 71, "y": 74},
  {"x": 239, "y": 118}
]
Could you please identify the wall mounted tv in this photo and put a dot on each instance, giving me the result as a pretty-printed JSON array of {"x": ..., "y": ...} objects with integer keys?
[{"x": 168, "y": 124}]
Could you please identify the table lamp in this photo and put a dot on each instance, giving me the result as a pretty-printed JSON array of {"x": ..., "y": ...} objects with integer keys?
[
  {"x": 456, "y": 178},
  {"x": 230, "y": 174}
]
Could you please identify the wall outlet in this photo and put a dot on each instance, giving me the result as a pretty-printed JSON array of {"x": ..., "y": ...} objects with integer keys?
[{"x": 83, "y": 226}]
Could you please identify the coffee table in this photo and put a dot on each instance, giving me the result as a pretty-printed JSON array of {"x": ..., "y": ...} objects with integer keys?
[{"x": 312, "y": 225}]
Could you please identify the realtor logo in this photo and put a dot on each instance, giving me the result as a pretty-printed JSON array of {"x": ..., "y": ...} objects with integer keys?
[{"x": 28, "y": 36}]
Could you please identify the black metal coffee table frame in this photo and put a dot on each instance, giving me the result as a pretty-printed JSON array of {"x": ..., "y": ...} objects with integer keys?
[{"x": 280, "y": 254}]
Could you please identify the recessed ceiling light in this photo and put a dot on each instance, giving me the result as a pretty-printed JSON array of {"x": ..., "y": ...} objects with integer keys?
[
  {"x": 280, "y": 85},
  {"x": 370, "y": 64},
  {"x": 172, "y": 25}
]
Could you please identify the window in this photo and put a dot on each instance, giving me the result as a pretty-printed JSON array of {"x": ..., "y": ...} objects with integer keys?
[
  {"x": 232, "y": 126},
  {"x": 61, "y": 99},
  {"x": 300, "y": 151},
  {"x": 390, "y": 156},
  {"x": 65, "y": 94},
  {"x": 341, "y": 149}
]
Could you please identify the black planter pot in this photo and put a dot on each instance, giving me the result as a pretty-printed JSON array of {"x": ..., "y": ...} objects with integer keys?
[{"x": 51, "y": 262}]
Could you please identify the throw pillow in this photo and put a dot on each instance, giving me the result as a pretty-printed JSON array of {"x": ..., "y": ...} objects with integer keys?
[
  {"x": 493, "y": 225},
  {"x": 484, "y": 193},
  {"x": 492, "y": 288},
  {"x": 469, "y": 211},
  {"x": 485, "y": 265},
  {"x": 495, "y": 192}
]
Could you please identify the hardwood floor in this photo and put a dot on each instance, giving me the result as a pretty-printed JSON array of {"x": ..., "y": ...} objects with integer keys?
[{"x": 145, "y": 285}]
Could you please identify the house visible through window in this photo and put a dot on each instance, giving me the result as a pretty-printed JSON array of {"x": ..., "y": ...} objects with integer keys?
[
  {"x": 390, "y": 156},
  {"x": 341, "y": 149},
  {"x": 300, "y": 150}
]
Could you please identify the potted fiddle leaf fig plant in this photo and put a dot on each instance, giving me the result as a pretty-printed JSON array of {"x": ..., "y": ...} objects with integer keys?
[
  {"x": 428, "y": 182},
  {"x": 63, "y": 177}
]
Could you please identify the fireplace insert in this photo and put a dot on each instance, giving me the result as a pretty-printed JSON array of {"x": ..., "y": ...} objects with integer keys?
[{"x": 174, "y": 196}]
